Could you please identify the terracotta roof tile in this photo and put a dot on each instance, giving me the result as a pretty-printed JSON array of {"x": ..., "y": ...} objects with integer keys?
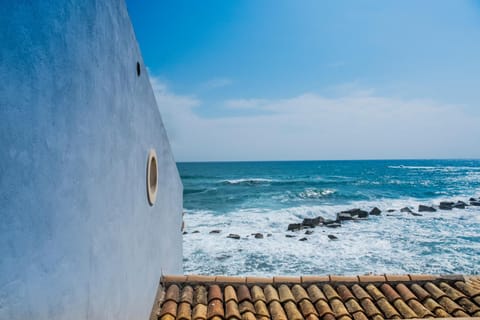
[
  {"x": 184, "y": 311},
  {"x": 285, "y": 294},
  {"x": 258, "y": 280},
  {"x": 173, "y": 293},
  {"x": 215, "y": 308},
  {"x": 187, "y": 295},
  {"x": 214, "y": 292},
  {"x": 230, "y": 294},
  {"x": 257, "y": 294},
  {"x": 243, "y": 293},
  {"x": 307, "y": 308},
  {"x": 292, "y": 311},
  {"x": 261, "y": 308},
  {"x": 271, "y": 294},
  {"x": 315, "y": 294},
  {"x": 200, "y": 295},
  {"x": 339, "y": 298},
  {"x": 422, "y": 277},
  {"x": 232, "y": 311},
  {"x": 276, "y": 311},
  {"x": 314, "y": 279},
  {"x": 329, "y": 292},
  {"x": 299, "y": 293},
  {"x": 199, "y": 312},
  {"x": 246, "y": 306},
  {"x": 397, "y": 278},
  {"x": 278, "y": 280},
  {"x": 404, "y": 292}
]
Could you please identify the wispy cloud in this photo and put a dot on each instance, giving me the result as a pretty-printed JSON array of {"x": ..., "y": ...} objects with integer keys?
[{"x": 311, "y": 126}]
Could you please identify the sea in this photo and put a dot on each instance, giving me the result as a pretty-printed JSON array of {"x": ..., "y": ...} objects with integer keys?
[{"x": 245, "y": 198}]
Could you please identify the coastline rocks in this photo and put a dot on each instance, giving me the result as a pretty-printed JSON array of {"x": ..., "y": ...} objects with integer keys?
[
  {"x": 472, "y": 200},
  {"x": 460, "y": 205},
  {"x": 303, "y": 239},
  {"x": 258, "y": 235},
  {"x": 196, "y": 231},
  {"x": 290, "y": 236},
  {"x": 352, "y": 214},
  {"x": 332, "y": 237},
  {"x": 215, "y": 231},
  {"x": 294, "y": 227},
  {"x": 446, "y": 205},
  {"x": 406, "y": 209},
  {"x": 312, "y": 223},
  {"x": 391, "y": 210},
  {"x": 475, "y": 203},
  {"x": 416, "y": 214},
  {"x": 422, "y": 208},
  {"x": 233, "y": 236},
  {"x": 308, "y": 232},
  {"x": 332, "y": 224},
  {"x": 375, "y": 212}
]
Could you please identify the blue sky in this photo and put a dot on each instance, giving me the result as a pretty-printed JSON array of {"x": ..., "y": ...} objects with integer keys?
[{"x": 280, "y": 80}]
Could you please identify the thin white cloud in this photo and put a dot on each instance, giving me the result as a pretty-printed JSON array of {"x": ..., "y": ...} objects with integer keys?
[
  {"x": 216, "y": 83},
  {"x": 310, "y": 126}
]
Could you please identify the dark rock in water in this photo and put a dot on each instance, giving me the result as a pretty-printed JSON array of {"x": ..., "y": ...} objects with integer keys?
[
  {"x": 333, "y": 225},
  {"x": 294, "y": 226},
  {"x": 308, "y": 232},
  {"x": 362, "y": 214},
  {"x": 215, "y": 231},
  {"x": 196, "y": 231},
  {"x": 332, "y": 237},
  {"x": 475, "y": 203},
  {"x": 290, "y": 235},
  {"x": 344, "y": 216},
  {"x": 375, "y": 212},
  {"x": 303, "y": 239},
  {"x": 422, "y": 208},
  {"x": 472, "y": 199},
  {"x": 446, "y": 205},
  {"x": 269, "y": 235},
  {"x": 460, "y": 205},
  {"x": 406, "y": 209},
  {"x": 309, "y": 222},
  {"x": 416, "y": 214},
  {"x": 391, "y": 210},
  {"x": 258, "y": 235},
  {"x": 233, "y": 236},
  {"x": 356, "y": 212},
  {"x": 185, "y": 232}
]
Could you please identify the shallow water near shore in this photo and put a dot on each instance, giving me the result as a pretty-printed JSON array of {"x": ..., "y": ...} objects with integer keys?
[{"x": 249, "y": 197}]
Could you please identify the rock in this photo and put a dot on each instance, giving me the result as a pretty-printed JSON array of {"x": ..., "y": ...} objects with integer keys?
[
  {"x": 196, "y": 231},
  {"x": 406, "y": 209},
  {"x": 332, "y": 237},
  {"x": 308, "y": 232},
  {"x": 294, "y": 226},
  {"x": 375, "y": 212},
  {"x": 185, "y": 232},
  {"x": 258, "y": 235},
  {"x": 422, "y": 208},
  {"x": 475, "y": 203},
  {"x": 233, "y": 236},
  {"x": 391, "y": 210},
  {"x": 303, "y": 239},
  {"x": 446, "y": 205},
  {"x": 472, "y": 199},
  {"x": 290, "y": 235},
  {"x": 344, "y": 216},
  {"x": 460, "y": 205},
  {"x": 416, "y": 214},
  {"x": 333, "y": 225},
  {"x": 309, "y": 222},
  {"x": 215, "y": 231},
  {"x": 269, "y": 235}
]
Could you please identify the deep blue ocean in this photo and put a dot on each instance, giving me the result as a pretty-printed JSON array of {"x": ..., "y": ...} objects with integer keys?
[{"x": 249, "y": 197}]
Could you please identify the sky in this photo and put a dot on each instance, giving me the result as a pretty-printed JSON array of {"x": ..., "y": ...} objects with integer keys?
[{"x": 314, "y": 80}]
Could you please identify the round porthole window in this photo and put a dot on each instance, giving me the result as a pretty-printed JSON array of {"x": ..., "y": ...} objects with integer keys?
[{"x": 152, "y": 177}]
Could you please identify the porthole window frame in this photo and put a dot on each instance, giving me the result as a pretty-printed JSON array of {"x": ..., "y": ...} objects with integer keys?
[{"x": 152, "y": 177}]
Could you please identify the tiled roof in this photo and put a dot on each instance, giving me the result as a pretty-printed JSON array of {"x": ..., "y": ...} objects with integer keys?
[{"x": 317, "y": 298}]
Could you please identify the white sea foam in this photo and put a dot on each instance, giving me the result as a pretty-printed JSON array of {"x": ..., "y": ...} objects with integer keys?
[
  {"x": 246, "y": 181},
  {"x": 438, "y": 242}
]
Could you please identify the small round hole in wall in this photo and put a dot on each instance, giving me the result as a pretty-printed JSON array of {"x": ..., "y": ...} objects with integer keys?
[
  {"x": 152, "y": 177},
  {"x": 138, "y": 69}
]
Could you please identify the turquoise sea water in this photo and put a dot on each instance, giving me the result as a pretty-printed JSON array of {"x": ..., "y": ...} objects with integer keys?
[{"x": 249, "y": 197}]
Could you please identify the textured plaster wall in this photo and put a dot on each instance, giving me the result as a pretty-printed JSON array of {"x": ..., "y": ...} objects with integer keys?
[{"x": 78, "y": 239}]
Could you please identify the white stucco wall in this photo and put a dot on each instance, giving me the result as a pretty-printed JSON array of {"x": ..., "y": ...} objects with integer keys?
[{"x": 78, "y": 239}]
